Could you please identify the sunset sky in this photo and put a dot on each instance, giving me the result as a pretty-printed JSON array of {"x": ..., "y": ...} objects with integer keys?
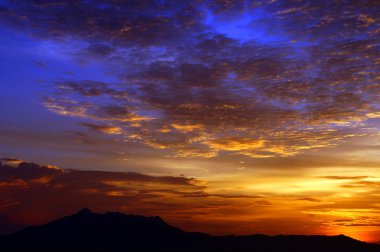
[{"x": 220, "y": 116}]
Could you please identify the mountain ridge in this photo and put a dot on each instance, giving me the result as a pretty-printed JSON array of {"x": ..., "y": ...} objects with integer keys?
[{"x": 114, "y": 231}]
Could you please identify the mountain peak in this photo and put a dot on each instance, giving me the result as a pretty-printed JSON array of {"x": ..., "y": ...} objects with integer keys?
[{"x": 85, "y": 211}]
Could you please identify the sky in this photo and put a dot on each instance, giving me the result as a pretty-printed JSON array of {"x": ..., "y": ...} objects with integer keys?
[{"x": 225, "y": 117}]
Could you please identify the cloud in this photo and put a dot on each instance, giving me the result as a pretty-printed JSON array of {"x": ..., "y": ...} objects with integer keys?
[
  {"x": 186, "y": 128},
  {"x": 233, "y": 144},
  {"x": 11, "y": 161},
  {"x": 191, "y": 75},
  {"x": 28, "y": 172},
  {"x": 111, "y": 130}
]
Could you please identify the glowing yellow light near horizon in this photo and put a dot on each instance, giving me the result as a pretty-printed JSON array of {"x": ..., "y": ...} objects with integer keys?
[{"x": 293, "y": 185}]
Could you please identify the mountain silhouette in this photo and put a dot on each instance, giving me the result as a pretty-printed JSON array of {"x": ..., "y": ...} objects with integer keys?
[{"x": 112, "y": 231}]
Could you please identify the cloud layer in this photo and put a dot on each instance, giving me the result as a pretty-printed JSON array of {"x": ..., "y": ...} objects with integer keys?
[
  {"x": 205, "y": 78},
  {"x": 32, "y": 194}
]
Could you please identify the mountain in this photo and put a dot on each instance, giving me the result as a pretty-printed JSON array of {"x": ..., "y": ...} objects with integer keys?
[{"x": 112, "y": 231}]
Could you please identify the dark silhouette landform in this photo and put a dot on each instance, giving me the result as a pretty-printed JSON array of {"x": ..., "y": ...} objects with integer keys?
[{"x": 113, "y": 231}]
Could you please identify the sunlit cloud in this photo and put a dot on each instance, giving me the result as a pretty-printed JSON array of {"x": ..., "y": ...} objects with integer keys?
[
  {"x": 11, "y": 161},
  {"x": 104, "y": 128}
]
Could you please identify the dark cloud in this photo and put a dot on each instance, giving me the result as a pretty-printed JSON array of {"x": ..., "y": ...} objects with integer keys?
[
  {"x": 84, "y": 88},
  {"x": 28, "y": 172}
]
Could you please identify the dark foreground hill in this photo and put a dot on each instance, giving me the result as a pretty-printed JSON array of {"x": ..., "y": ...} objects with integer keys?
[{"x": 87, "y": 231}]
